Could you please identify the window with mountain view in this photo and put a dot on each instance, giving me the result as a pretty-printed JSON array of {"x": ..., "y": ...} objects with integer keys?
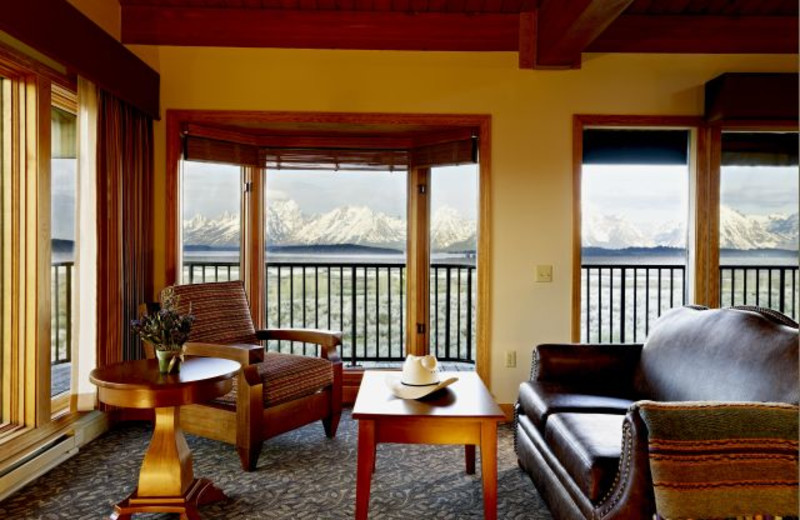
[
  {"x": 212, "y": 238},
  {"x": 759, "y": 220},
  {"x": 336, "y": 255},
  {"x": 63, "y": 190},
  {"x": 634, "y": 206},
  {"x": 454, "y": 246}
]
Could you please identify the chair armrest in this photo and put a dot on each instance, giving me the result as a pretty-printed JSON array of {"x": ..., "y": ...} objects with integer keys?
[
  {"x": 586, "y": 364},
  {"x": 756, "y": 443},
  {"x": 244, "y": 354},
  {"x": 328, "y": 340}
]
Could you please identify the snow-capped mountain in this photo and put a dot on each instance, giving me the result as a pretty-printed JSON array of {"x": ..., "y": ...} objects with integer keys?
[
  {"x": 358, "y": 225},
  {"x": 612, "y": 232},
  {"x": 284, "y": 219},
  {"x": 220, "y": 232},
  {"x": 737, "y": 231},
  {"x": 450, "y": 230},
  {"x": 352, "y": 225}
]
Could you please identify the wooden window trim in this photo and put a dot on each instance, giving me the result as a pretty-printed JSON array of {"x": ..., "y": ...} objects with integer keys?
[
  {"x": 418, "y": 262},
  {"x": 176, "y": 119},
  {"x": 26, "y": 263},
  {"x": 65, "y": 99},
  {"x": 584, "y": 121},
  {"x": 714, "y": 169}
]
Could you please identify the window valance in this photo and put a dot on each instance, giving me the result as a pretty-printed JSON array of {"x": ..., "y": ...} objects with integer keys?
[{"x": 250, "y": 150}]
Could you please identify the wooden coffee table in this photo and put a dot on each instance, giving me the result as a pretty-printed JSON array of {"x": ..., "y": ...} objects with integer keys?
[
  {"x": 463, "y": 413},
  {"x": 166, "y": 479}
]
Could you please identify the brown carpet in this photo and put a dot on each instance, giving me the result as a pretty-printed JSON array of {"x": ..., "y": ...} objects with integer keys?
[{"x": 301, "y": 475}]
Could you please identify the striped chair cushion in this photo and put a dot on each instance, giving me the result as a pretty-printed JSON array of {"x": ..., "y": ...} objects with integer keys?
[
  {"x": 221, "y": 311},
  {"x": 287, "y": 377},
  {"x": 723, "y": 460}
]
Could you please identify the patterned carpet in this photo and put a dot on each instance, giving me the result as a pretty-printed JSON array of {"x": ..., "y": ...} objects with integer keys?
[{"x": 301, "y": 475}]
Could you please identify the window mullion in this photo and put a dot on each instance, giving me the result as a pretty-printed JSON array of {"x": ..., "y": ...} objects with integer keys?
[
  {"x": 253, "y": 241},
  {"x": 418, "y": 263}
]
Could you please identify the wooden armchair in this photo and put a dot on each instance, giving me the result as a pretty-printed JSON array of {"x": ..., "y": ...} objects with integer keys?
[{"x": 274, "y": 393}]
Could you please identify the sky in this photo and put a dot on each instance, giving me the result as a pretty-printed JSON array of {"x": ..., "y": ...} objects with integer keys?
[
  {"x": 760, "y": 190},
  {"x": 212, "y": 189},
  {"x": 62, "y": 221},
  {"x": 650, "y": 194},
  {"x": 646, "y": 195}
]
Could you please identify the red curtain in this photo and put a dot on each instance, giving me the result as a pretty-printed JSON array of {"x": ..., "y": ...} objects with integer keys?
[{"x": 124, "y": 225}]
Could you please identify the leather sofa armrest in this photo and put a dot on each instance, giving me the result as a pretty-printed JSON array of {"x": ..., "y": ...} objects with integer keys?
[
  {"x": 586, "y": 364},
  {"x": 631, "y": 496}
]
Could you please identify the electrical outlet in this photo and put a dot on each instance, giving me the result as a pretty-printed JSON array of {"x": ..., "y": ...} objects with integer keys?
[
  {"x": 544, "y": 273},
  {"x": 511, "y": 358}
]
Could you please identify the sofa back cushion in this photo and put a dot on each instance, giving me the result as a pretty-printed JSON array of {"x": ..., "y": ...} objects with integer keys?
[{"x": 698, "y": 354}]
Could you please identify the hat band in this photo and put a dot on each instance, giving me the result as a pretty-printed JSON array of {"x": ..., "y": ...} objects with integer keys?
[{"x": 426, "y": 384}]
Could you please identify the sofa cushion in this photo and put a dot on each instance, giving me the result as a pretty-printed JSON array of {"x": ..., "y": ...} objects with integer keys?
[
  {"x": 540, "y": 400},
  {"x": 696, "y": 354},
  {"x": 286, "y": 377},
  {"x": 588, "y": 446}
]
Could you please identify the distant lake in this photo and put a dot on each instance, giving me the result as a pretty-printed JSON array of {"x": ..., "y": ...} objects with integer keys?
[
  {"x": 667, "y": 256},
  {"x": 325, "y": 258},
  {"x": 62, "y": 252}
]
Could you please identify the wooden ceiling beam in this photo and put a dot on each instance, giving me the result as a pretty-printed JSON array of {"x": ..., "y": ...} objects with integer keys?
[
  {"x": 61, "y": 32},
  {"x": 565, "y": 29},
  {"x": 239, "y": 27},
  {"x": 527, "y": 40},
  {"x": 700, "y": 34}
]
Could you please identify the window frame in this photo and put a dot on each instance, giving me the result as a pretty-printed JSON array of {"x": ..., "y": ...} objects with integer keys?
[
  {"x": 26, "y": 294},
  {"x": 705, "y": 171},
  {"x": 65, "y": 99},
  {"x": 253, "y": 221},
  {"x": 698, "y": 175},
  {"x": 713, "y": 133}
]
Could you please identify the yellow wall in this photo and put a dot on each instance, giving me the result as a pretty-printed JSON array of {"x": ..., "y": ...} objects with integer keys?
[{"x": 531, "y": 137}]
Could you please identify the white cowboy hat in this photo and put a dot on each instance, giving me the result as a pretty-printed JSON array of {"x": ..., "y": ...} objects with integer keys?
[{"x": 420, "y": 377}]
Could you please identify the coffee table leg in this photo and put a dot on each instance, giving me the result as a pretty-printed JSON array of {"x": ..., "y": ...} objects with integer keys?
[
  {"x": 366, "y": 463},
  {"x": 489, "y": 468},
  {"x": 469, "y": 458}
]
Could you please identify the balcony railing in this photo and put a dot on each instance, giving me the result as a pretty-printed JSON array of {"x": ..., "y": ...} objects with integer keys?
[
  {"x": 772, "y": 286},
  {"x": 366, "y": 301},
  {"x": 620, "y": 301},
  {"x": 61, "y": 312}
]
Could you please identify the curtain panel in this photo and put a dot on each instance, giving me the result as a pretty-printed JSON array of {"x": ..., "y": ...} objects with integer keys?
[{"x": 124, "y": 225}]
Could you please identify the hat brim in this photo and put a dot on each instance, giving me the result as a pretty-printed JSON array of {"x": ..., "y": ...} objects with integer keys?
[{"x": 415, "y": 392}]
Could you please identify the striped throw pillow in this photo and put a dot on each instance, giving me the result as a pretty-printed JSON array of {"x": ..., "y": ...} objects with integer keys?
[{"x": 723, "y": 460}]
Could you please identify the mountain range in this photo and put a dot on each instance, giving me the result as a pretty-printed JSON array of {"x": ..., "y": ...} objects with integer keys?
[
  {"x": 287, "y": 225},
  {"x": 737, "y": 231}
]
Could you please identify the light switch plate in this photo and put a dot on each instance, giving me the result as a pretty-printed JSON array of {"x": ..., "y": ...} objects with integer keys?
[
  {"x": 511, "y": 358},
  {"x": 544, "y": 273}
]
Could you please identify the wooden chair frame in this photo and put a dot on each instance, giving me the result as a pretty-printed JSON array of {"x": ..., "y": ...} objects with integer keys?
[{"x": 251, "y": 423}]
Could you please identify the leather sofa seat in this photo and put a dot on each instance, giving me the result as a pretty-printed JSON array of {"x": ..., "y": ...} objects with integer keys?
[
  {"x": 589, "y": 447},
  {"x": 538, "y": 401}
]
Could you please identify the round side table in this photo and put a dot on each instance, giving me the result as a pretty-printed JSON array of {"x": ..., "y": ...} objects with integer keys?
[{"x": 166, "y": 479}]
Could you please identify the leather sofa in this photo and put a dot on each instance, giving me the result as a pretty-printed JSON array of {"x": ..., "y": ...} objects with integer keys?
[{"x": 583, "y": 443}]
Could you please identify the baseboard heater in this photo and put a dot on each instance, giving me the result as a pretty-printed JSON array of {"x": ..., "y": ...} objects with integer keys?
[{"x": 35, "y": 463}]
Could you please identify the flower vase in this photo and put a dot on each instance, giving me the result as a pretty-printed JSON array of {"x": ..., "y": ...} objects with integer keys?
[{"x": 165, "y": 361}]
